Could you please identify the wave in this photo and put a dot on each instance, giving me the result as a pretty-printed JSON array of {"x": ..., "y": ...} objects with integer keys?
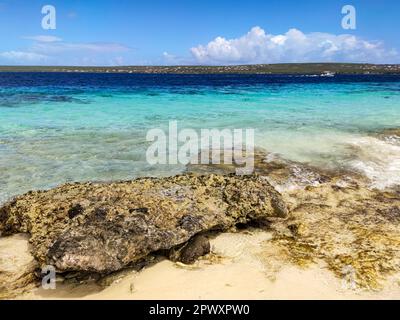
[{"x": 378, "y": 158}]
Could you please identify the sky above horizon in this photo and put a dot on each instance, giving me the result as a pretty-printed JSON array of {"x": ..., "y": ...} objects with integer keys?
[{"x": 187, "y": 32}]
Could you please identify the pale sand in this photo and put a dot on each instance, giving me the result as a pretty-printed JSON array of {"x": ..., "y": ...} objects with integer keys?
[
  {"x": 251, "y": 268},
  {"x": 14, "y": 252}
]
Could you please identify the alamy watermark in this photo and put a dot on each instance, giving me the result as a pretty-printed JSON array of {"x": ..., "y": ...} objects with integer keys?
[
  {"x": 349, "y": 278},
  {"x": 49, "y": 278},
  {"x": 206, "y": 146},
  {"x": 49, "y": 20},
  {"x": 349, "y": 21}
]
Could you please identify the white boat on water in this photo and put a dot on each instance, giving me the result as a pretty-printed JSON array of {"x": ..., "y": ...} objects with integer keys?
[{"x": 328, "y": 74}]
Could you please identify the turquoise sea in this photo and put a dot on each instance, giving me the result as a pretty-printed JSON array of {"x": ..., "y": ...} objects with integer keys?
[{"x": 62, "y": 127}]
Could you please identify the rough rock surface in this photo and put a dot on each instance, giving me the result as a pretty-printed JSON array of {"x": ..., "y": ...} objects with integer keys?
[
  {"x": 336, "y": 218},
  {"x": 352, "y": 229},
  {"x": 99, "y": 227},
  {"x": 189, "y": 252}
]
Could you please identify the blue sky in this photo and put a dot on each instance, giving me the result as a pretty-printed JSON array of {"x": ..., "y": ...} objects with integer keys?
[{"x": 156, "y": 32}]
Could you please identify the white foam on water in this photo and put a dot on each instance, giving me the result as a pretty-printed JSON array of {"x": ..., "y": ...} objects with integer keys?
[
  {"x": 378, "y": 159},
  {"x": 393, "y": 139}
]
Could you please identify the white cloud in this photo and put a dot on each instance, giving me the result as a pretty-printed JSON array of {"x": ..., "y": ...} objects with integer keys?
[
  {"x": 23, "y": 56},
  {"x": 45, "y": 44},
  {"x": 172, "y": 59},
  {"x": 257, "y": 46},
  {"x": 43, "y": 38},
  {"x": 51, "y": 50},
  {"x": 93, "y": 47}
]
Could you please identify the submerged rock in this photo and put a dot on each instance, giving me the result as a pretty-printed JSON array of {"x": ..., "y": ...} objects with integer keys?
[
  {"x": 104, "y": 227},
  {"x": 283, "y": 174}
]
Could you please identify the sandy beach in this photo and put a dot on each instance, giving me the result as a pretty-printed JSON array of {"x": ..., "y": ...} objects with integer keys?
[{"x": 238, "y": 268}]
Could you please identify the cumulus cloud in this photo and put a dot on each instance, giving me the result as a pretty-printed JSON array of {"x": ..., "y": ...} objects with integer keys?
[{"x": 257, "y": 46}]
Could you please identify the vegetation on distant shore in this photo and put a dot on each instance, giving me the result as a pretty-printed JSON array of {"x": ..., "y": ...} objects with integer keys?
[{"x": 287, "y": 68}]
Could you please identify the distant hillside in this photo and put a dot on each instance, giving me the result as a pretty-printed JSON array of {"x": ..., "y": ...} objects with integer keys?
[{"x": 289, "y": 68}]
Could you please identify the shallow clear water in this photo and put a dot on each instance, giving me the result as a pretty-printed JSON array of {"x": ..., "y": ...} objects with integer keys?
[{"x": 76, "y": 127}]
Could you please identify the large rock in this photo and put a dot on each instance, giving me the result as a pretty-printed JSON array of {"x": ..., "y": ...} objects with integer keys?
[{"x": 99, "y": 227}]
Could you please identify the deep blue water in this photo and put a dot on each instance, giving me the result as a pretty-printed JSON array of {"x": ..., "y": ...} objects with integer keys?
[{"x": 133, "y": 81}]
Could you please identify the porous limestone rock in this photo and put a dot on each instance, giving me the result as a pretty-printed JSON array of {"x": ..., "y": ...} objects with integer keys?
[{"x": 104, "y": 227}]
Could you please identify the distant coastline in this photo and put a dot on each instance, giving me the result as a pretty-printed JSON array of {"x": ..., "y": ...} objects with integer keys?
[{"x": 288, "y": 68}]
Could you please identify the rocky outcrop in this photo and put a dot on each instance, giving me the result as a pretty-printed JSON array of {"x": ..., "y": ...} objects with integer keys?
[
  {"x": 99, "y": 227},
  {"x": 351, "y": 228},
  {"x": 336, "y": 218}
]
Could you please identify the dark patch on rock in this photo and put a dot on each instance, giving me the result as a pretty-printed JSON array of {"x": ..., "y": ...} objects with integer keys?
[
  {"x": 392, "y": 214},
  {"x": 279, "y": 207},
  {"x": 188, "y": 253},
  {"x": 190, "y": 223},
  {"x": 3, "y": 215},
  {"x": 140, "y": 210},
  {"x": 75, "y": 210},
  {"x": 99, "y": 214}
]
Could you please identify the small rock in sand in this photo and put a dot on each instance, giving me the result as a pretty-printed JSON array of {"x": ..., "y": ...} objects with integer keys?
[{"x": 188, "y": 253}]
